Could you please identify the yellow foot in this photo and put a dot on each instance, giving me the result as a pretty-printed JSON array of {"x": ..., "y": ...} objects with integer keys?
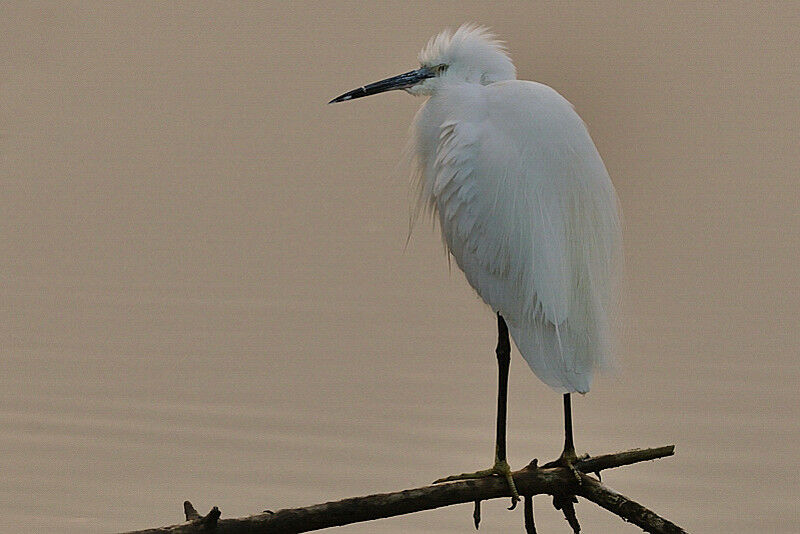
[{"x": 500, "y": 469}]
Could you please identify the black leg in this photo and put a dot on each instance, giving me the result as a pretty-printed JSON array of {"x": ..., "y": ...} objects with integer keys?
[
  {"x": 503, "y": 352},
  {"x": 500, "y": 467},
  {"x": 569, "y": 444},
  {"x": 503, "y": 361},
  {"x": 568, "y": 456}
]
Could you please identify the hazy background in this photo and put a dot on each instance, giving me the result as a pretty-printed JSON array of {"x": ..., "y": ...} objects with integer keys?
[{"x": 206, "y": 293}]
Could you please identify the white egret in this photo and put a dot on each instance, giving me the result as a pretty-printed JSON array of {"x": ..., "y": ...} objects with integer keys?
[{"x": 526, "y": 208}]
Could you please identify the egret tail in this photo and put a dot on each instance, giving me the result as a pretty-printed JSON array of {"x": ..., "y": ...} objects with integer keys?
[{"x": 561, "y": 358}]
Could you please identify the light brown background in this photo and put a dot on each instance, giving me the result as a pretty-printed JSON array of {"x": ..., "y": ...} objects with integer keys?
[{"x": 206, "y": 295}]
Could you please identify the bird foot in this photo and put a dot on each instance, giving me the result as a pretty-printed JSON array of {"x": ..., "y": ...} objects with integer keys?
[
  {"x": 568, "y": 459},
  {"x": 500, "y": 469}
]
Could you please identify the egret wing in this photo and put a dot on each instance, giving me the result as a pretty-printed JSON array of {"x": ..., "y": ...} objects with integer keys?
[{"x": 529, "y": 213}]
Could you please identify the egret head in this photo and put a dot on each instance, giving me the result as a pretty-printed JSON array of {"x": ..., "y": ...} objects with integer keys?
[{"x": 471, "y": 54}]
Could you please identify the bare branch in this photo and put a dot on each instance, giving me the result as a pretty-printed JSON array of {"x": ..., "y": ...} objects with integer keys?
[
  {"x": 476, "y": 515},
  {"x": 626, "y": 508},
  {"x": 530, "y": 480},
  {"x": 595, "y": 464}
]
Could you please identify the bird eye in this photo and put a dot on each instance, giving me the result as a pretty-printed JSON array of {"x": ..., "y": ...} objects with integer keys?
[{"x": 440, "y": 69}]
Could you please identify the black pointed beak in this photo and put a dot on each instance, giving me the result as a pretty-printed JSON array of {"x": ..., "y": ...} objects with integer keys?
[{"x": 401, "y": 81}]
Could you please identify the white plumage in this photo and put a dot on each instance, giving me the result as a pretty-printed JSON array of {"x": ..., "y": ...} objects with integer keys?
[{"x": 525, "y": 204}]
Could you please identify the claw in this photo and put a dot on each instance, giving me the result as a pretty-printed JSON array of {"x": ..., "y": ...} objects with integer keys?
[
  {"x": 500, "y": 469},
  {"x": 513, "y": 487},
  {"x": 503, "y": 469},
  {"x": 567, "y": 460}
]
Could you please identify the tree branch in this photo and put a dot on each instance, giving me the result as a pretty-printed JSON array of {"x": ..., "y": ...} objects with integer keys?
[
  {"x": 531, "y": 480},
  {"x": 595, "y": 464},
  {"x": 626, "y": 508}
]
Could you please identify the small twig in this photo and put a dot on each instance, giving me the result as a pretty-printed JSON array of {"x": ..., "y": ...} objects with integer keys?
[
  {"x": 207, "y": 521},
  {"x": 530, "y": 525},
  {"x": 566, "y": 503},
  {"x": 190, "y": 512},
  {"x": 476, "y": 515}
]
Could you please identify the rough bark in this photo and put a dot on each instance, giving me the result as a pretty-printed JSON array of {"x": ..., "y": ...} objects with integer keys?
[
  {"x": 626, "y": 508},
  {"x": 531, "y": 480}
]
